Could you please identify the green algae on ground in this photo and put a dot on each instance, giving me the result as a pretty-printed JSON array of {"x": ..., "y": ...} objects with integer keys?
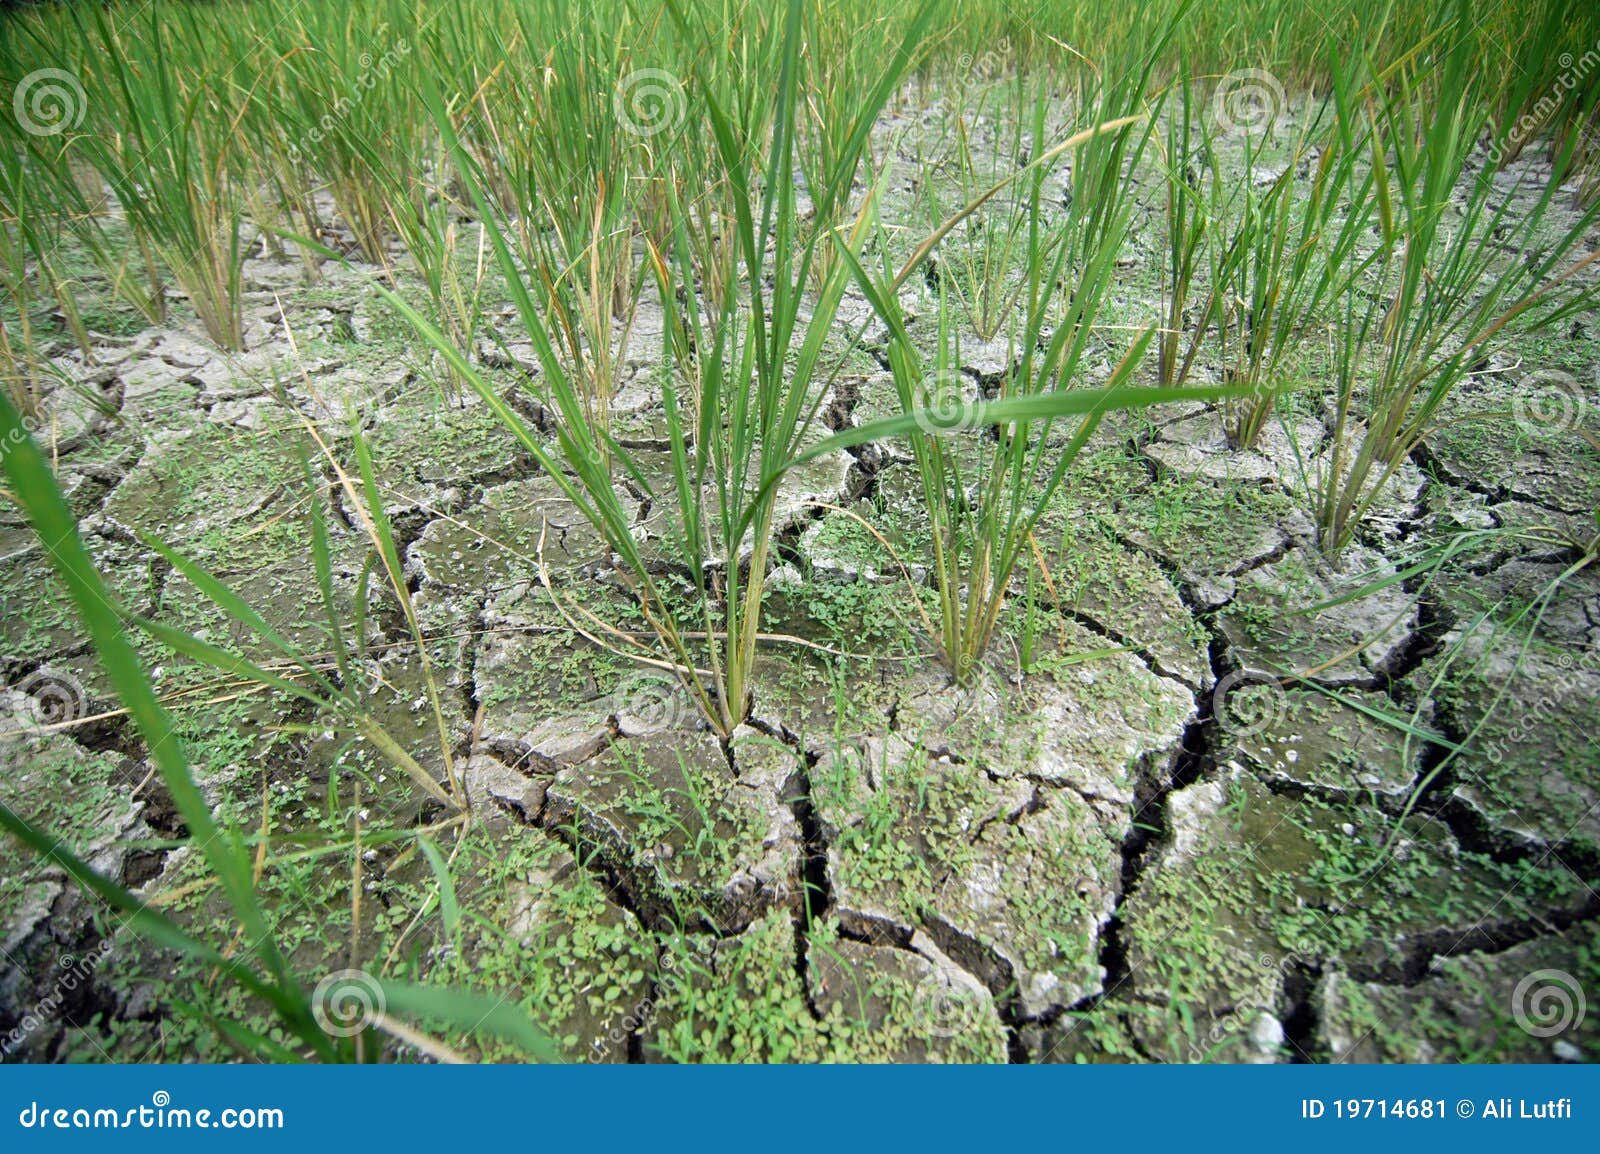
[
  {"x": 1257, "y": 888},
  {"x": 742, "y": 999},
  {"x": 1520, "y": 1005}
]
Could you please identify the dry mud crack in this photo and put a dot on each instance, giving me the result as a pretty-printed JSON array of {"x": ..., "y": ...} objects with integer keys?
[{"x": 1172, "y": 818}]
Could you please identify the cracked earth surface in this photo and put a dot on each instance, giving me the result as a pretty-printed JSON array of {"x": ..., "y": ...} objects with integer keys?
[{"x": 1173, "y": 818}]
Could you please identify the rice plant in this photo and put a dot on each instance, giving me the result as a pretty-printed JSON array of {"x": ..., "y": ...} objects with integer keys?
[
  {"x": 563, "y": 169},
  {"x": 740, "y": 388},
  {"x": 1291, "y": 251},
  {"x": 841, "y": 61},
  {"x": 166, "y": 148},
  {"x": 34, "y": 211},
  {"x": 19, "y": 369},
  {"x": 983, "y": 500},
  {"x": 981, "y": 263},
  {"x": 1190, "y": 168},
  {"x": 1452, "y": 275},
  {"x": 344, "y": 114}
]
